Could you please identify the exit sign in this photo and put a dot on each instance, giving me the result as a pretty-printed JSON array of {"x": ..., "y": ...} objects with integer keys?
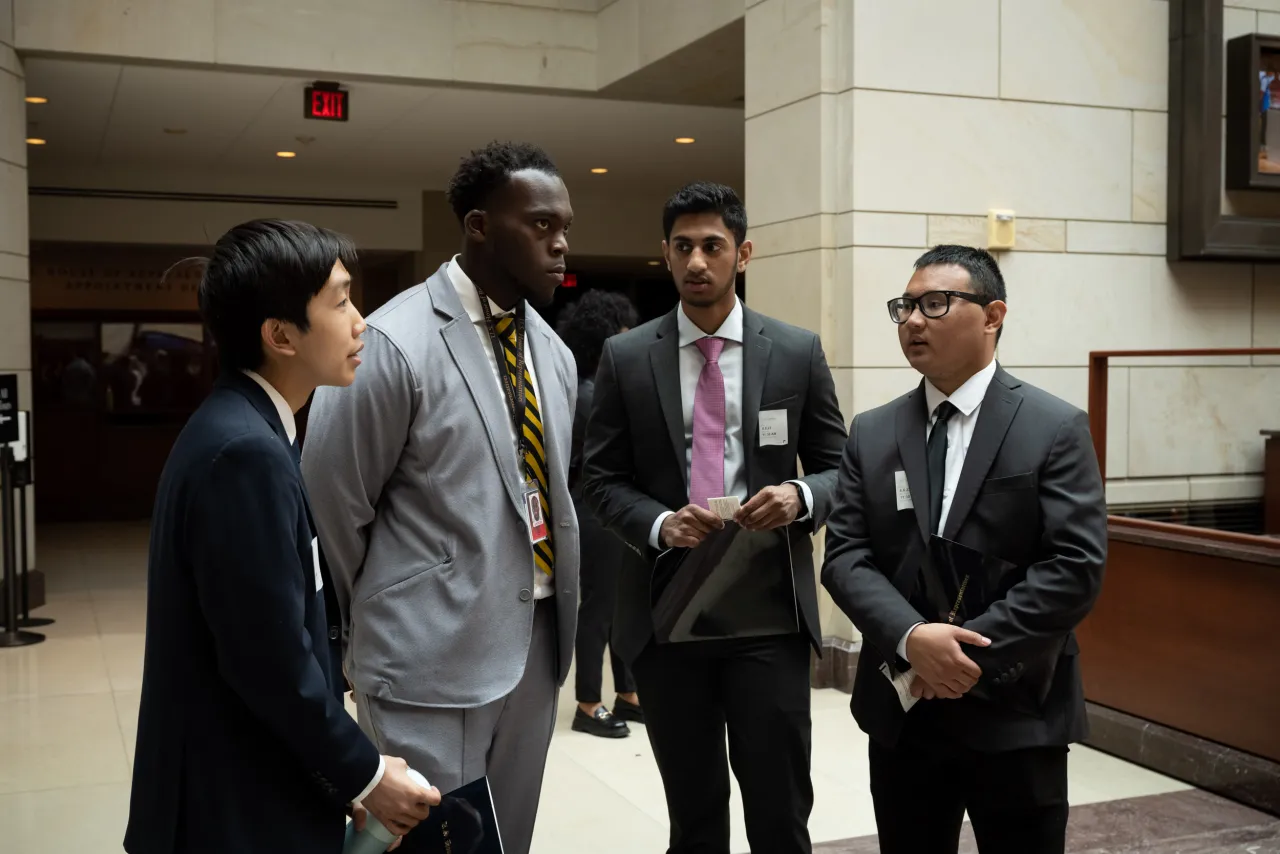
[{"x": 327, "y": 102}]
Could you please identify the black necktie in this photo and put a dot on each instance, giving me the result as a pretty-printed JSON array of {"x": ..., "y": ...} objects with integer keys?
[{"x": 937, "y": 456}]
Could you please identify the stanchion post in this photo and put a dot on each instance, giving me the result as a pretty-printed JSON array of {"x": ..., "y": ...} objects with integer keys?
[{"x": 12, "y": 635}]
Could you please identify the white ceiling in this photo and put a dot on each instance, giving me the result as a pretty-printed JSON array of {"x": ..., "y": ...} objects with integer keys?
[{"x": 113, "y": 117}]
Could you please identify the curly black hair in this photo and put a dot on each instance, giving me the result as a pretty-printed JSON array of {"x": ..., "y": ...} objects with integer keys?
[
  {"x": 485, "y": 170},
  {"x": 586, "y": 324}
]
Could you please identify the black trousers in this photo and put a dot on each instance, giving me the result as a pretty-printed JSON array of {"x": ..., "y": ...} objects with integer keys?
[
  {"x": 601, "y": 555},
  {"x": 1017, "y": 801},
  {"x": 757, "y": 690}
]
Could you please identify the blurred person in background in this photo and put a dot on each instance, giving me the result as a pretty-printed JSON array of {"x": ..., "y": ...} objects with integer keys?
[{"x": 584, "y": 326}]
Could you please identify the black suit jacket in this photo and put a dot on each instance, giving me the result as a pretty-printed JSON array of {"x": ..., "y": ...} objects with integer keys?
[
  {"x": 243, "y": 741},
  {"x": 635, "y": 457},
  {"x": 1030, "y": 492}
]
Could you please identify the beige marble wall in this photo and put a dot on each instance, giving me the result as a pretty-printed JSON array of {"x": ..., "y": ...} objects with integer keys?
[
  {"x": 15, "y": 290},
  {"x": 928, "y": 114}
]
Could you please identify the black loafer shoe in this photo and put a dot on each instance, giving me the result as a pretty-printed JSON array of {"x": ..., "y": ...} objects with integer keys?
[
  {"x": 602, "y": 724},
  {"x": 624, "y": 711}
]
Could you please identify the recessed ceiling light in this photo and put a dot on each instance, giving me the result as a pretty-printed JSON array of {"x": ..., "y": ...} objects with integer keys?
[
  {"x": 654, "y": 263},
  {"x": 599, "y": 170},
  {"x": 175, "y": 131},
  {"x": 31, "y": 140},
  {"x": 286, "y": 154},
  {"x": 36, "y": 99},
  {"x": 685, "y": 140}
]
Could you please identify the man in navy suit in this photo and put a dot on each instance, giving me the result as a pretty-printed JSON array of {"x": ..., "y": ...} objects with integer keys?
[{"x": 243, "y": 741}]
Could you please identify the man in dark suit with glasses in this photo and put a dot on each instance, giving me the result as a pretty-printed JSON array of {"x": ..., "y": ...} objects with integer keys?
[{"x": 979, "y": 458}]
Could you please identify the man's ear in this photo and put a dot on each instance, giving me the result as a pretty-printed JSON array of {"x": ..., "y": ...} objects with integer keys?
[
  {"x": 475, "y": 226},
  {"x": 279, "y": 337},
  {"x": 996, "y": 312},
  {"x": 744, "y": 255}
]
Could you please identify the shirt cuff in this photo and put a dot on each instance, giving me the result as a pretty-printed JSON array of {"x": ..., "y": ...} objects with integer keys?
[
  {"x": 654, "y": 543},
  {"x": 902, "y": 645},
  {"x": 373, "y": 784},
  {"x": 807, "y": 495}
]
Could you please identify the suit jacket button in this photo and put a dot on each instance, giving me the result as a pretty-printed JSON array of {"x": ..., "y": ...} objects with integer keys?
[
  {"x": 526, "y": 595},
  {"x": 333, "y": 633}
]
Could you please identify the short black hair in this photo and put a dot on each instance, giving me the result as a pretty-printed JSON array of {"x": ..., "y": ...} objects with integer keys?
[
  {"x": 265, "y": 269},
  {"x": 984, "y": 272},
  {"x": 485, "y": 170},
  {"x": 586, "y": 324},
  {"x": 704, "y": 197}
]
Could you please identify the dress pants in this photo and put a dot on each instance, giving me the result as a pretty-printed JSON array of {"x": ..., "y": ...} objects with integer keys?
[
  {"x": 506, "y": 739},
  {"x": 757, "y": 689},
  {"x": 1017, "y": 801},
  {"x": 602, "y": 552}
]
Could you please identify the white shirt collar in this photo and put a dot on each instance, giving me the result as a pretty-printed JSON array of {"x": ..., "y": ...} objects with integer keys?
[
  {"x": 968, "y": 397},
  {"x": 730, "y": 330},
  {"x": 469, "y": 295},
  {"x": 282, "y": 405}
]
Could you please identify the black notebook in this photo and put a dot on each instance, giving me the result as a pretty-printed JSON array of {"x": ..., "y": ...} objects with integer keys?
[
  {"x": 736, "y": 584},
  {"x": 464, "y": 823},
  {"x": 961, "y": 583}
]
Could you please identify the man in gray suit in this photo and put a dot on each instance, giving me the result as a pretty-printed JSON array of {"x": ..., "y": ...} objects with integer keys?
[
  {"x": 439, "y": 480},
  {"x": 715, "y": 400},
  {"x": 983, "y": 459}
]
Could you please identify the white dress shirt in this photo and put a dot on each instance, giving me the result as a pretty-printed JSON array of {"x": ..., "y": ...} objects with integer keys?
[
  {"x": 968, "y": 401},
  {"x": 470, "y": 297},
  {"x": 730, "y": 361},
  {"x": 291, "y": 429}
]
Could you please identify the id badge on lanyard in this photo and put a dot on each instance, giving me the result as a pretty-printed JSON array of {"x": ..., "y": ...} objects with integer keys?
[{"x": 536, "y": 519}]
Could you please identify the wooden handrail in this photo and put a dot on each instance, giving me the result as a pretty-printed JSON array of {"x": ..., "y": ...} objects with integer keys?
[
  {"x": 1234, "y": 538},
  {"x": 1098, "y": 364}
]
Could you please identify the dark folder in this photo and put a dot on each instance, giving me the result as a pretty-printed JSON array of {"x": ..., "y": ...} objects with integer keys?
[
  {"x": 464, "y": 823},
  {"x": 960, "y": 583},
  {"x": 736, "y": 584}
]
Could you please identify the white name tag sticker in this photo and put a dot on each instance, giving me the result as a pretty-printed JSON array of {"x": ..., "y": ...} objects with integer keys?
[
  {"x": 315, "y": 562},
  {"x": 773, "y": 427},
  {"x": 903, "y": 490}
]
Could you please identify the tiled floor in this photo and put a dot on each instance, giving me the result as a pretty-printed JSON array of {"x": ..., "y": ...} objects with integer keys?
[{"x": 69, "y": 710}]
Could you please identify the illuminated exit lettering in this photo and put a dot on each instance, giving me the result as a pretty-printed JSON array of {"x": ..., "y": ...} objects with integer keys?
[{"x": 327, "y": 103}]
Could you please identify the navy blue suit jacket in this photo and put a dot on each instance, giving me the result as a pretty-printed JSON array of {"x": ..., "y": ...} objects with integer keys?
[{"x": 243, "y": 741}]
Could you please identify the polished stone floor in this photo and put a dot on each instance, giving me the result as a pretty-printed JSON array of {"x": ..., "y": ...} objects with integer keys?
[{"x": 69, "y": 707}]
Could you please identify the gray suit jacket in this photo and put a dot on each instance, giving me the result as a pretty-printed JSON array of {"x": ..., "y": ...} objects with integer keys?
[
  {"x": 1030, "y": 492},
  {"x": 635, "y": 457},
  {"x": 417, "y": 494}
]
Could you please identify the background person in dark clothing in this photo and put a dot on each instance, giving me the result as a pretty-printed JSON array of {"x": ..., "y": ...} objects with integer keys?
[{"x": 584, "y": 326}]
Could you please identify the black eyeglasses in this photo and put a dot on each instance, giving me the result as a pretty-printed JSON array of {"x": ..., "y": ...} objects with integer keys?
[{"x": 933, "y": 304}]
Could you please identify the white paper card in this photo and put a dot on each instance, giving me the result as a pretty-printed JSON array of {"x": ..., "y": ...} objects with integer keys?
[
  {"x": 902, "y": 684},
  {"x": 726, "y": 508},
  {"x": 773, "y": 427},
  {"x": 315, "y": 562},
  {"x": 904, "y": 491}
]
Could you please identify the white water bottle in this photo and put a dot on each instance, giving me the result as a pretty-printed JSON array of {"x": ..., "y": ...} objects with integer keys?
[{"x": 375, "y": 838}]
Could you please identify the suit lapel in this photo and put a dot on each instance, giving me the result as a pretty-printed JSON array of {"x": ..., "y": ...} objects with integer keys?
[
  {"x": 664, "y": 358},
  {"x": 755, "y": 364},
  {"x": 912, "y": 425},
  {"x": 998, "y": 409},
  {"x": 464, "y": 346}
]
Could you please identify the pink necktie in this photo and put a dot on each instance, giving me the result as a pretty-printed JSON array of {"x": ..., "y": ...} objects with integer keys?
[{"x": 706, "y": 475}]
